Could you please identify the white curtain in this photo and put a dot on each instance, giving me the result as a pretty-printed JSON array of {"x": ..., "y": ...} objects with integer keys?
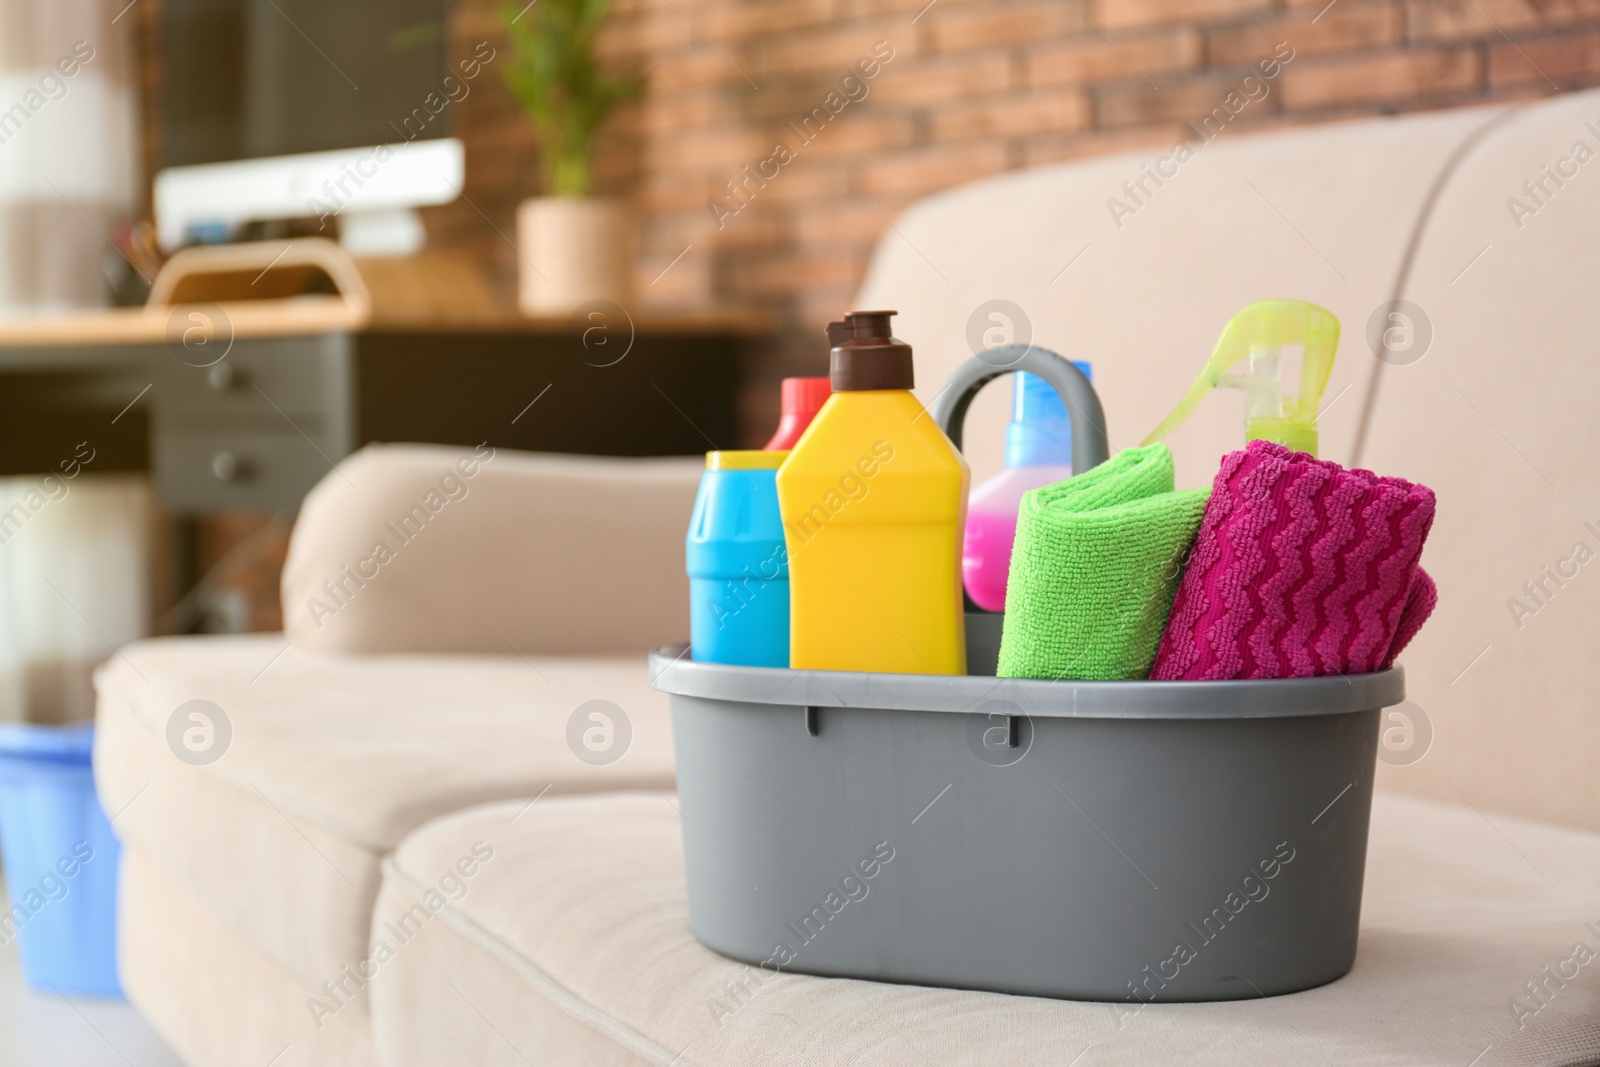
[
  {"x": 74, "y": 566},
  {"x": 74, "y": 554},
  {"x": 68, "y": 149}
]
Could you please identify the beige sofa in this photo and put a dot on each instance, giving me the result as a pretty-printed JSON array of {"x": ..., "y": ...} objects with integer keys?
[
  {"x": 251, "y": 881},
  {"x": 510, "y": 598}
]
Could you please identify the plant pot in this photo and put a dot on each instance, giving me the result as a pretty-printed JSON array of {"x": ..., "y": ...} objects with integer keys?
[{"x": 573, "y": 250}]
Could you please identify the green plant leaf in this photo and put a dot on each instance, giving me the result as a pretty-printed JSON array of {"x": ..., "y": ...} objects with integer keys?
[{"x": 553, "y": 75}]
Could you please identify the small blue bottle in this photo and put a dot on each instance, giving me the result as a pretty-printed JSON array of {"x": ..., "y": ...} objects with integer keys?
[{"x": 738, "y": 565}]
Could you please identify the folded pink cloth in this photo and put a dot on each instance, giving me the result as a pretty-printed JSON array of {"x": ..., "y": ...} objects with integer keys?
[{"x": 1301, "y": 568}]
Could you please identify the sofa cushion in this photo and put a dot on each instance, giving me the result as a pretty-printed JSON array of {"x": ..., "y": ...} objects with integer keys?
[
  {"x": 430, "y": 548},
  {"x": 570, "y": 944},
  {"x": 334, "y": 759},
  {"x": 213, "y": 994}
]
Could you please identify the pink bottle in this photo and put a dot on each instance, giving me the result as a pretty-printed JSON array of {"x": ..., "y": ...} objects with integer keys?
[{"x": 1038, "y": 452}]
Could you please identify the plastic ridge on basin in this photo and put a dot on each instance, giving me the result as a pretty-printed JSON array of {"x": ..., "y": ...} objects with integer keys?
[{"x": 671, "y": 671}]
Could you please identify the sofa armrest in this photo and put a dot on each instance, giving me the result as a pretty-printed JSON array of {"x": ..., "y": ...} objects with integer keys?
[{"x": 426, "y": 548}]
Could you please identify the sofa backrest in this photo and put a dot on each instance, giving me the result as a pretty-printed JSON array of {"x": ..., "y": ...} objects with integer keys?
[
  {"x": 1324, "y": 214},
  {"x": 1500, "y": 414},
  {"x": 1502, "y": 418},
  {"x": 426, "y": 548}
]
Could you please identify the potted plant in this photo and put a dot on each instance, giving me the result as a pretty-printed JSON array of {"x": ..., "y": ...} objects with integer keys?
[{"x": 574, "y": 247}]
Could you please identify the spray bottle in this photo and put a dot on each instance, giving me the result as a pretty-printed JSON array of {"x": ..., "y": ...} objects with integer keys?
[{"x": 1256, "y": 337}]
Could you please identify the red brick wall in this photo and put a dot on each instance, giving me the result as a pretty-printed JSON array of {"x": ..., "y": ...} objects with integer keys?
[{"x": 973, "y": 89}]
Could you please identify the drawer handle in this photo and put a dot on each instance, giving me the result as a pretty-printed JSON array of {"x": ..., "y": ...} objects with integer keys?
[
  {"x": 227, "y": 467},
  {"x": 221, "y": 376}
]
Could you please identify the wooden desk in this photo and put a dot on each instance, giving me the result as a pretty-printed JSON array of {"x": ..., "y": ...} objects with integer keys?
[{"x": 308, "y": 379}]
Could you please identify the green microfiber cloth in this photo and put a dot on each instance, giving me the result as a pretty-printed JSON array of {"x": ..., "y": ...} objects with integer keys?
[{"x": 1095, "y": 564}]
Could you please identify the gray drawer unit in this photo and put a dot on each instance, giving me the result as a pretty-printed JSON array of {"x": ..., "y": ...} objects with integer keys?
[
  {"x": 257, "y": 428},
  {"x": 294, "y": 375},
  {"x": 216, "y": 470}
]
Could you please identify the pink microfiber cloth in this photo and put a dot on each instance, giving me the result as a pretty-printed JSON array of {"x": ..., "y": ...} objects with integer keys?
[{"x": 1301, "y": 568}]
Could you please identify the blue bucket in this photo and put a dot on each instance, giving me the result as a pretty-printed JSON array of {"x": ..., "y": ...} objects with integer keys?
[{"x": 60, "y": 861}]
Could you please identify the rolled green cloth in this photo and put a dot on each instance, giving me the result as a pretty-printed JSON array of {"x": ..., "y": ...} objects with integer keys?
[{"x": 1095, "y": 564}]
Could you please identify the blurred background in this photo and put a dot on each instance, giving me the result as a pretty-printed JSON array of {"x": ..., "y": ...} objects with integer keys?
[
  {"x": 758, "y": 150},
  {"x": 973, "y": 89}
]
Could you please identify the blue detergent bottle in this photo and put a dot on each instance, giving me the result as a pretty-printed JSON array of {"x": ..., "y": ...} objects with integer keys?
[{"x": 738, "y": 565}]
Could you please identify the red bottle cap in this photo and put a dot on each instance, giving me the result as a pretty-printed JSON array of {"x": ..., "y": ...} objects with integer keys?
[{"x": 802, "y": 399}]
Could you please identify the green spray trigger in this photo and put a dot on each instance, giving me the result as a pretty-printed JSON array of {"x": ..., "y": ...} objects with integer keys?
[{"x": 1256, "y": 337}]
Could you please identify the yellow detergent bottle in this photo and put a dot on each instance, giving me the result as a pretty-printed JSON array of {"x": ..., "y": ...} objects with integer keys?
[{"x": 873, "y": 498}]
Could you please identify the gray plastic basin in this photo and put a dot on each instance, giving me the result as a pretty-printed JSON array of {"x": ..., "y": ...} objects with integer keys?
[{"x": 1149, "y": 841}]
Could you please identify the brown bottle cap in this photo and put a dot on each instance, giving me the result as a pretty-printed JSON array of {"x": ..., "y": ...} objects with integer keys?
[{"x": 865, "y": 356}]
